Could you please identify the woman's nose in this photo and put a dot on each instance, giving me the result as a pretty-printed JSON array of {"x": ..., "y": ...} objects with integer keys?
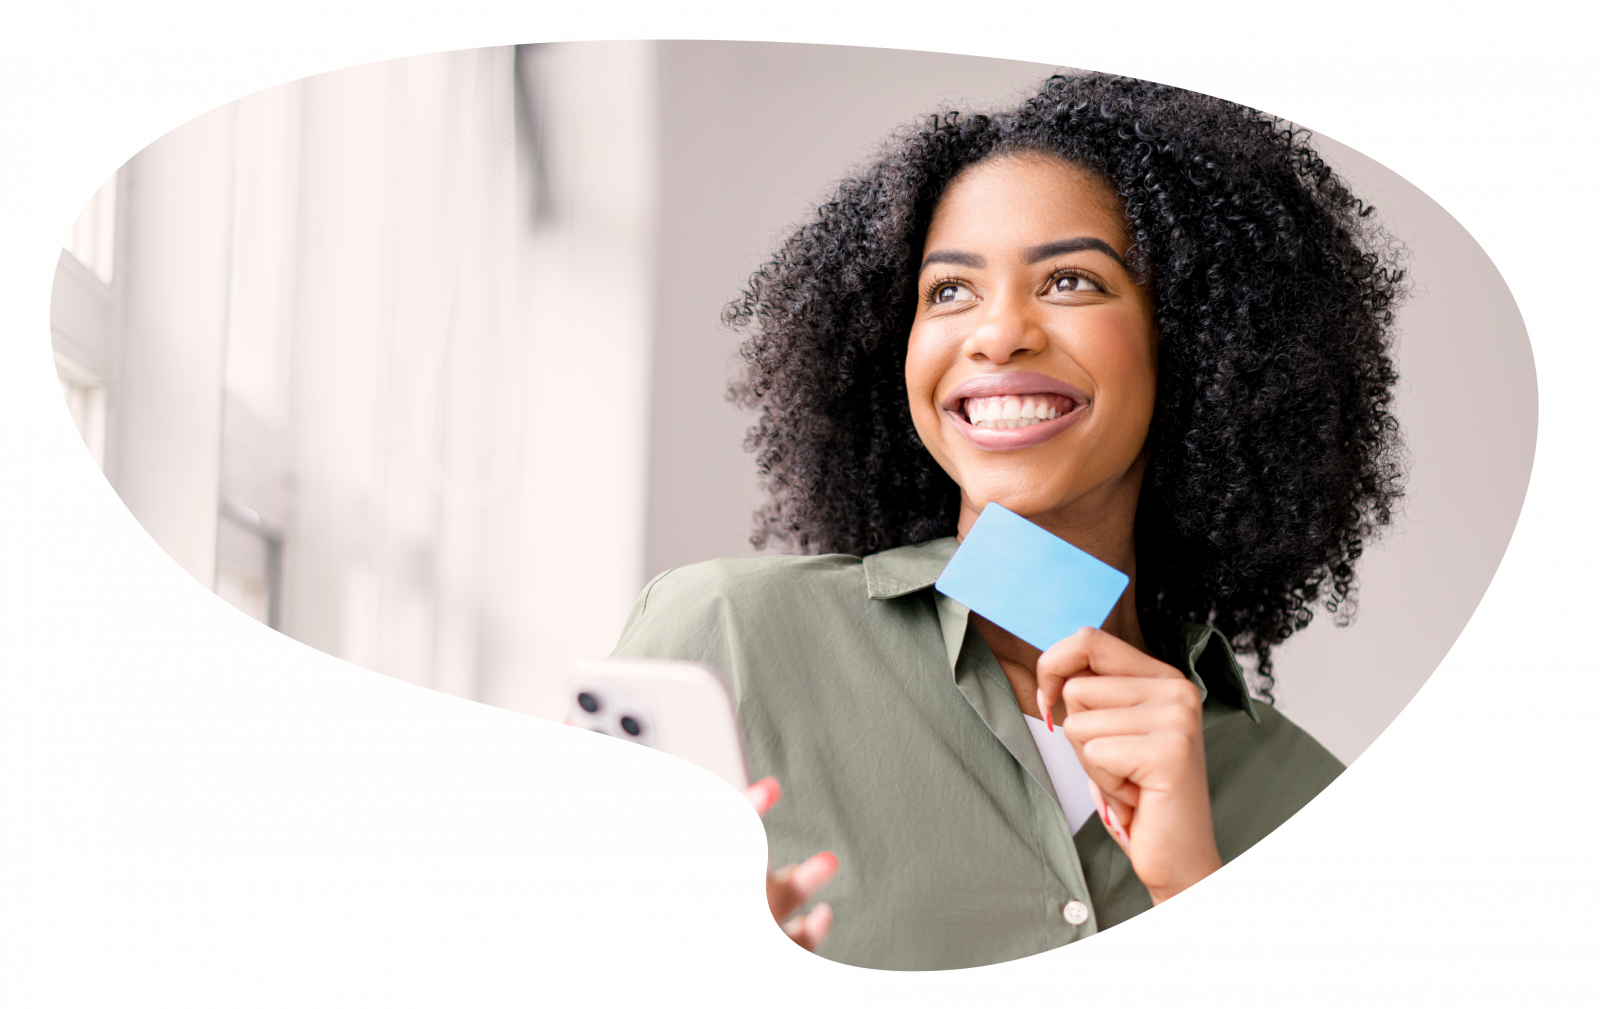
[{"x": 1005, "y": 329}]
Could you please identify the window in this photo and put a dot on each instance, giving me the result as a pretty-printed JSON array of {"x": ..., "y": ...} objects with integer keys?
[
  {"x": 94, "y": 233},
  {"x": 249, "y": 562},
  {"x": 86, "y": 401},
  {"x": 81, "y": 312}
]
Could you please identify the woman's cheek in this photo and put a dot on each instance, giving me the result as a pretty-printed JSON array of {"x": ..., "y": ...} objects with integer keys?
[{"x": 1123, "y": 362}]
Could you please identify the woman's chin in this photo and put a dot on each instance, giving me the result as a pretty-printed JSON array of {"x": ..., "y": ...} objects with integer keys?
[{"x": 1028, "y": 502}]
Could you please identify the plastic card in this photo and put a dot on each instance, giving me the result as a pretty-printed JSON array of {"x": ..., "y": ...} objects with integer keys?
[{"x": 1034, "y": 584}]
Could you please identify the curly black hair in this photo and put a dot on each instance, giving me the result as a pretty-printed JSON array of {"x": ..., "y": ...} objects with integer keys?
[{"x": 1273, "y": 453}]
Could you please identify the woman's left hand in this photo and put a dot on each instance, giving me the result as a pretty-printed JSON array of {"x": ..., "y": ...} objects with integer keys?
[{"x": 1135, "y": 724}]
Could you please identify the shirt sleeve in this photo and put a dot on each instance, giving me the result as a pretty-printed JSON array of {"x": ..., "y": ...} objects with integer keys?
[
  {"x": 681, "y": 614},
  {"x": 1261, "y": 775}
]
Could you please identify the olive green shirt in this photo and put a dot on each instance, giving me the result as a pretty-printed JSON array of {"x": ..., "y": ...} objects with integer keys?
[{"x": 900, "y": 746}]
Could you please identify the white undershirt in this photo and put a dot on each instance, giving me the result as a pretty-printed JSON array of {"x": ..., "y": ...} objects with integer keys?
[{"x": 1072, "y": 785}]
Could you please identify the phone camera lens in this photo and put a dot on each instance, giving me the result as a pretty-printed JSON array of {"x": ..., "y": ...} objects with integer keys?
[
  {"x": 588, "y": 702},
  {"x": 631, "y": 725}
]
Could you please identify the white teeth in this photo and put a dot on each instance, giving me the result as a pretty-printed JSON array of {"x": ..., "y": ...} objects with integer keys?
[{"x": 1007, "y": 412}]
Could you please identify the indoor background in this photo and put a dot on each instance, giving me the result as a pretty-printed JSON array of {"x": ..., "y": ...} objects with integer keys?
[{"x": 419, "y": 362}]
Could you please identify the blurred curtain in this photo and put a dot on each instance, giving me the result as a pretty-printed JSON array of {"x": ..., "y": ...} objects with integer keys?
[
  {"x": 376, "y": 355},
  {"x": 371, "y": 358},
  {"x": 400, "y": 425}
]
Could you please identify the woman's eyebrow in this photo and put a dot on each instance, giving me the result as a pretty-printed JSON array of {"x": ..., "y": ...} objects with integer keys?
[
  {"x": 955, "y": 257},
  {"x": 1066, "y": 245}
]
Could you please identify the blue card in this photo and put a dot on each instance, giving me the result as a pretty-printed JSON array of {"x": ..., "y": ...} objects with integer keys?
[{"x": 1034, "y": 584}]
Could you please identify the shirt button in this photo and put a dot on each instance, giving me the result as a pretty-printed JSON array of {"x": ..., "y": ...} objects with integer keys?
[{"x": 1075, "y": 912}]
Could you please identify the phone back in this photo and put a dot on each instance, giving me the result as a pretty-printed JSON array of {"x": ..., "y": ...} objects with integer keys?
[{"x": 677, "y": 707}]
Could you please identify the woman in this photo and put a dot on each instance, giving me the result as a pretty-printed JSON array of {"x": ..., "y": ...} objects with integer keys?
[{"x": 1158, "y": 326}]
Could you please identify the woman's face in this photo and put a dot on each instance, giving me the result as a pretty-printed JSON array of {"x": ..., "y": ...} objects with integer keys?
[{"x": 1031, "y": 366}]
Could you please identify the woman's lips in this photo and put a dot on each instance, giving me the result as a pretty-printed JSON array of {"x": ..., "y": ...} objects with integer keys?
[
  {"x": 1005, "y": 439},
  {"x": 1068, "y": 401},
  {"x": 1012, "y": 383}
]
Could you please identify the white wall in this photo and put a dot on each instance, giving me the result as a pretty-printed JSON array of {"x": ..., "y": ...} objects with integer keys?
[{"x": 1468, "y": 404}]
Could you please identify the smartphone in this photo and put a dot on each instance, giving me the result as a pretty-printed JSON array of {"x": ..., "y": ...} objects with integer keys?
[{"x": 676, "y": 707}]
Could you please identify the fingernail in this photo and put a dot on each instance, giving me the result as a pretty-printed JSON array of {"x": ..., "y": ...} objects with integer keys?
[
  {"x": 815, "y": 872},
  {"x": 763, "y": 794},
  {"x": 818, "y": 924},
  {"x": 1044, "y": 712},
  {"x": 1115, "y": 824}
]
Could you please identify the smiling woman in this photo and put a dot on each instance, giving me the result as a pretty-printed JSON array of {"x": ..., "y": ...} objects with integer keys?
[{"x": 1156, "y": 325}]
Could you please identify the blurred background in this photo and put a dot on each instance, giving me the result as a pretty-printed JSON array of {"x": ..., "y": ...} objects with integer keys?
[{"x": 420, "y": 363}]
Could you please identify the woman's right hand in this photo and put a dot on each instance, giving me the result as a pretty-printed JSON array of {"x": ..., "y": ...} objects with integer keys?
[
  {"x": 791, "y": 886},
  {"x": 1137, "y": 726}
]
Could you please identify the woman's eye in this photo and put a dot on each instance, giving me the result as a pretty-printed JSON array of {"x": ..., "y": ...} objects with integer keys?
[
  {"x": 945, "y": 293},
  {"x": 1072, "y": 284}
]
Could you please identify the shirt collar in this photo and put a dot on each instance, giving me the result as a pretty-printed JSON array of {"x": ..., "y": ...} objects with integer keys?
[
  {"x": 904, "y": 570},
  {"x": 1200, "y": 652}
]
